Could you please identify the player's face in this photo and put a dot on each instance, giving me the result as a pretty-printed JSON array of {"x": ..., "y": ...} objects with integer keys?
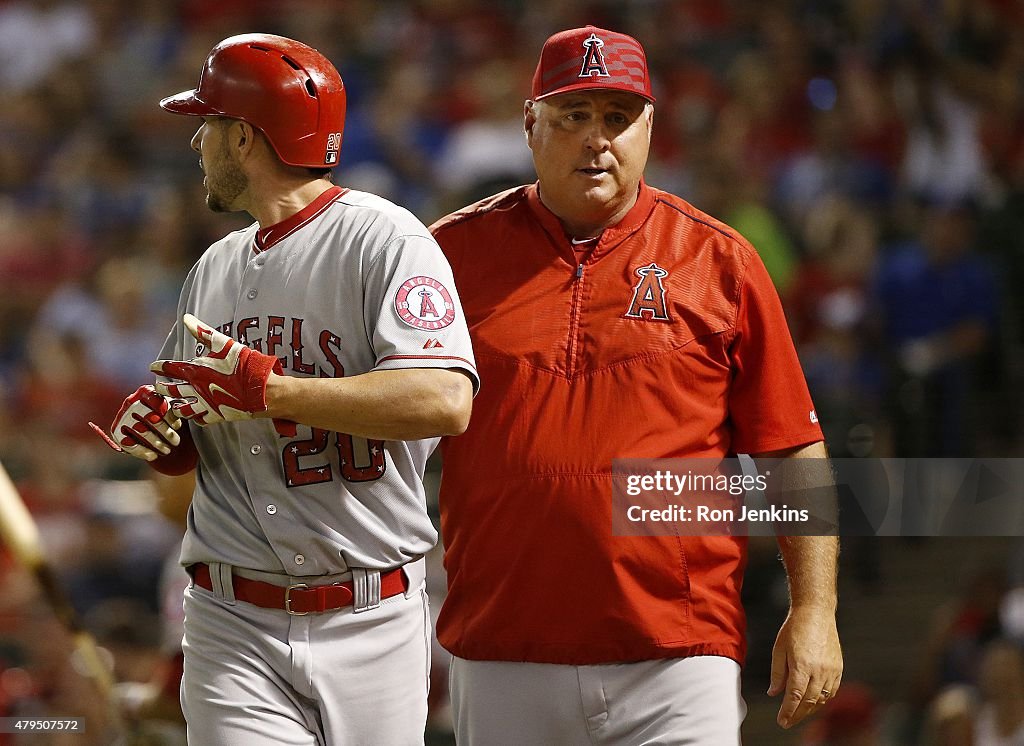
[
  {"x": 590, "y": 149},
  {"x": 225, "y": 180}
]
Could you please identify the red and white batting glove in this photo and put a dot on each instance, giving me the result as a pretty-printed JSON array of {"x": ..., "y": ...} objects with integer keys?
[
  {"x": 145, "y": 427},
  {"x": 227, "y": 384}
]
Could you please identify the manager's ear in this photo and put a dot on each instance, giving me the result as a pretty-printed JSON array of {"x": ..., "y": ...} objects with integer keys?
[{"x": 529, "y": 119}]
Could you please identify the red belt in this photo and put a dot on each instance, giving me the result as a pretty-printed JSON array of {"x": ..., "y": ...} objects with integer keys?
[{"x": 299, "y": 599}]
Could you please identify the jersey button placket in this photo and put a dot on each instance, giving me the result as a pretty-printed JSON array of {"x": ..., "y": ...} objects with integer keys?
[
  {"x": 271, "y": 509},
  {"x": 299, "y": 559},
  {"x": 256, "y": 449},
  {"x": 251, "y": 295}
]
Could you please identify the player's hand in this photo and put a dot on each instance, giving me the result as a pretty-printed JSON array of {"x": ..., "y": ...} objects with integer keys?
[
  {"x": 145, "y": 427},
  {"x": 807, "y": 663},
  {"x": 226, "y": 384}
]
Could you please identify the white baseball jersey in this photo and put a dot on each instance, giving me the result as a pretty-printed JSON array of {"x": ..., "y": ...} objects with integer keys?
[{"x": 351, "y": 284}]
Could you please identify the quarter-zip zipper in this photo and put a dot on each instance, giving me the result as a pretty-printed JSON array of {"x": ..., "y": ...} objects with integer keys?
[{"x": 574, "y": 321}]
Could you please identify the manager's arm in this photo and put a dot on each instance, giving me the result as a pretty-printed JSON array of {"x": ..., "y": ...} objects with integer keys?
[{"x": 807, "y": 660}]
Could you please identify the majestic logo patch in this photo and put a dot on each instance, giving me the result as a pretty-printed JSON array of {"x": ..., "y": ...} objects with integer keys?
[
  {"x": 593, "y": 59},
  {"x": 649, "y": 294},
  {"x": 424, "y": 303},
  {"x": 432, "y": 344}
]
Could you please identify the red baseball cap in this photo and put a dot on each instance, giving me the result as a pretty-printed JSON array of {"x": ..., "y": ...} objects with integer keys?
[{"x": 591, "y": 58}]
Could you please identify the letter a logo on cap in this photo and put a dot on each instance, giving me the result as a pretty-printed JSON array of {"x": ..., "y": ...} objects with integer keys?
[{"x": 593, "y": 58}]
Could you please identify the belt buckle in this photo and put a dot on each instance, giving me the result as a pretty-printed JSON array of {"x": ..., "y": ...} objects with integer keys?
[{"x": 288, "y": 599}]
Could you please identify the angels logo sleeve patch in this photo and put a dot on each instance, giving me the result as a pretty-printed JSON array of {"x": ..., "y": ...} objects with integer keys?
[{"x": 424, "y": 303}]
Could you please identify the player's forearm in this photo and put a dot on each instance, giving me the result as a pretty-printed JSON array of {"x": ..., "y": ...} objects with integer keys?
[{"x": 406, "y": 404}]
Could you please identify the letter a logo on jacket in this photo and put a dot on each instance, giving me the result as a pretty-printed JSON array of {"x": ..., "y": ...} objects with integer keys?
[
  {"x": 649, "y": 294},
  {"x": 593, "y": 58}
]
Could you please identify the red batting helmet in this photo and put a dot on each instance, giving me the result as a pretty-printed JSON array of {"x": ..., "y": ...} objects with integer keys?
[{"x": 290, "y": 91}]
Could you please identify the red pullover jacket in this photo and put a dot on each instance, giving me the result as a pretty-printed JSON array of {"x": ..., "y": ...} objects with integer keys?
[{"x": 666, "y": 340}]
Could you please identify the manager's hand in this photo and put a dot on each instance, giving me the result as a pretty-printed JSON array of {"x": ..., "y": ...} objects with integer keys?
[{"x": 807, "y": 663}]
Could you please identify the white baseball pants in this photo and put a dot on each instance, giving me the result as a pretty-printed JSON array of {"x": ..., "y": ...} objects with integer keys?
[
  {"x": 680, "y": 701},
  {"x": 260, "y": 677}
]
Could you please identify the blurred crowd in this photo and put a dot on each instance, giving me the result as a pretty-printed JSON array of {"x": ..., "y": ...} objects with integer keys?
[
  {"x": 963, "y": 682},
  {"x": 872, "y": 151}
]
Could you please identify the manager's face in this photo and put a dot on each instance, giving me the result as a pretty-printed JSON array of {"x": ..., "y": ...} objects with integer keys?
[{"x": 590, "y": 149}]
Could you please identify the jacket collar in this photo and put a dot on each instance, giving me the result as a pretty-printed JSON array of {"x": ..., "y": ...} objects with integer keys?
[{"x": 611, "y": 237}]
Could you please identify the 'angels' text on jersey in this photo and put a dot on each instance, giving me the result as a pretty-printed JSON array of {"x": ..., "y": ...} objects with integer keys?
[{"x": 276, "y": 334}]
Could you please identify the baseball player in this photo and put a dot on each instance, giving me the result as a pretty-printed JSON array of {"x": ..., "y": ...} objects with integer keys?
[
  {"x": 319, "y": 355},
  {"x": 613, "y": 320}
]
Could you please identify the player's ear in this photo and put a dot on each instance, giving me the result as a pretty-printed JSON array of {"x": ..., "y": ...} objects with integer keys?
[{"x": 242, "y": 137}]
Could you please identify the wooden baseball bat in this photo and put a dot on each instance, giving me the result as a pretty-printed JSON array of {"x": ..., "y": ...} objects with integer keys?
[{"x": 21, "y": 535}]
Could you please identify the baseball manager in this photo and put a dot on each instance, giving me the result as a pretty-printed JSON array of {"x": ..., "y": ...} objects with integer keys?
[{"x": 613, "y": 320}]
